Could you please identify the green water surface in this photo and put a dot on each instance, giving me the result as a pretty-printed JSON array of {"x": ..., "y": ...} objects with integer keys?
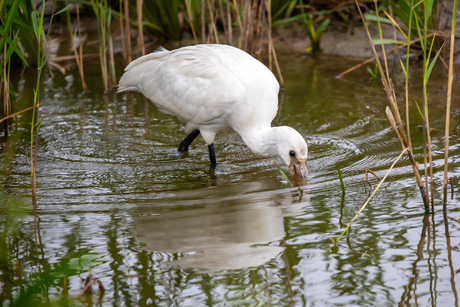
[{"x": 158, "y": 230}]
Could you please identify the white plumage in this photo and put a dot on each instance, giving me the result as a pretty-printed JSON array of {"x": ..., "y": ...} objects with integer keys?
[{"x": 211, "y": 87}]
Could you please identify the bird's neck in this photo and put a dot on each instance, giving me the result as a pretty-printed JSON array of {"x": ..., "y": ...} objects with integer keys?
[{"x": 262, "y": 140}]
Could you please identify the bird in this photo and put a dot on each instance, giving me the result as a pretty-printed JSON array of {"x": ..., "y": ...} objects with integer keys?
[{"x": 210, "y": 87}]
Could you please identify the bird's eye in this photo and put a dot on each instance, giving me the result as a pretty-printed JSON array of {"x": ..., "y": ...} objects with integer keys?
[{"x": 292, "y": 153}]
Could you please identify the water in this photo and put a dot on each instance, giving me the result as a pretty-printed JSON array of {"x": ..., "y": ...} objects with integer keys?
[{"x": 158, "y": 229}]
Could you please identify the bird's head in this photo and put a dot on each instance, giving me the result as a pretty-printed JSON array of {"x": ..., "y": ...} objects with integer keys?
[{"x": 292, "y": 148}]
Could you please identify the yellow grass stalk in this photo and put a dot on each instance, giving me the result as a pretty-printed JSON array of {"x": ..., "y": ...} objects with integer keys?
[
  {"x": 388, "y": 86},
  {"x": 373, "y": 193},
  {"x": 214, "y": 29},
  {"x": 449, "y": 98},
  {"x": 188, "y": 5}
]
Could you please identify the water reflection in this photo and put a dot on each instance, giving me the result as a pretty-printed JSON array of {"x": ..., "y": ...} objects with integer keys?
[{"x": 227, "y": 236}]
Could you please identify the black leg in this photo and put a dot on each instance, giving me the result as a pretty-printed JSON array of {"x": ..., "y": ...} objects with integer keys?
[
  {"x": 212, "y": 154},
  {"x": 183, "y": 146}
]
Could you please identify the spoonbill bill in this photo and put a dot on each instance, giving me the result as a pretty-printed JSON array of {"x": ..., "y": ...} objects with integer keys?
[{"x": 212, "y": 87}]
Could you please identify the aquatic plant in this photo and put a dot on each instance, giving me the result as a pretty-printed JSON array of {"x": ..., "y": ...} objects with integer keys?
[
  {"x": 103, "y": 15},
  {"x": 78, "y": 51},
  {"x": 37, "y": 23},
  {"x": 313, "y": 34},
  {"x": 428, "y": 64},
  {"x": 449, "y": 99},
  {"x": 15, "y": 26},
  {"x": 374, "y": 73}
]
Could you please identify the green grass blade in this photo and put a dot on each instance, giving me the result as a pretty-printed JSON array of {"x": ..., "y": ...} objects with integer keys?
[
  {"x": 63, "y": 10},
  {"x": 322, "y": 26},
  {"x": 428, "y": 8},
  {"x": 371, "y": 72},
  {"x": 430, "y": 68},
  {"x": 403, "y": 68},
  {"x": 13, "y": 48},
  {"x": 420, "y": 34},
  {"x": 11, "y": 15},
  {"x": 374, "y": 18},
  {"x": 419, "y": 110}
]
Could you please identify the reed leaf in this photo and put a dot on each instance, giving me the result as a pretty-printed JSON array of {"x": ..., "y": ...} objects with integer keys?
[{"x": 430, "y": 68}]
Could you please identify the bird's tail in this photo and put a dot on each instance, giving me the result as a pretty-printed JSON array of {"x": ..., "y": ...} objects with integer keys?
[{"x": 138, "y": 70}]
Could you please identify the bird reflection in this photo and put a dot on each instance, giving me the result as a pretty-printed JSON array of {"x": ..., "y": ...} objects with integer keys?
[{"x": 220, "y": 237}]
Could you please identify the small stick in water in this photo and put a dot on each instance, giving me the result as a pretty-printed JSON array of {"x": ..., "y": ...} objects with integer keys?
[
  {"x": 373, "y": 173},
  {"x": 341, "y": 179}
]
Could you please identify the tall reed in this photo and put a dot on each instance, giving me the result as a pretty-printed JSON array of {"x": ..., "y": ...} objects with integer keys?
[
  {"x": 9, "y": 43},
  {"x": 78, "y": 53},
  {"x": 102, "y": 12},
  {"x": 37, "y": 23},
  {"x": 395, "y": 120},
  {"x": 449, "y": 98},
  {"x": 140, "y": 27},
  {"x": 128, "y": 32}
]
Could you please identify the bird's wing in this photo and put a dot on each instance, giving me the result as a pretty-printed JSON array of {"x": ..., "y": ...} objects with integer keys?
[{"x": 190, "y": 83}]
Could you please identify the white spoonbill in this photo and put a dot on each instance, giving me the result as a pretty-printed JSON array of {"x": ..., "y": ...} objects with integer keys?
[{"x": 211, "y": 87}]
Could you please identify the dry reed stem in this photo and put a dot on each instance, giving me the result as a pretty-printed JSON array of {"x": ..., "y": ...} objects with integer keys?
[
  {"x": 373, "y": 58},
  {"x": 229, "y": 24},
  {"x": 409, "y": 142},
  {"x": 428, "y": 142},
  {"x": 203, "y": 23},
  {"x": 188, "y": 5},
  {"x": 270, "y": 40},
  {"x": 373, "y": 193},
  {"x": 388, "y": 86},
  {"x": 224, "y": 20},
  {"x": 213, "y": 23},
  {"x": 373, "y": 173},
  {"x": 277, "y": 65},
  {"x": 79, "y": 56},
  {"x": 392, "y": 121},
  {"x": 112, "y": 60},
  {"x": 449, "y": 98},
  {"x": 128, "y": 32},
  {"x": 140, "y": 38},
  {"x": 57, "y": 66},
  {"x": 240, "y": 23},
  {"x": 451, "y": 187},
  {"x": 17, "y": 113},
  {"x": 383, "y": 45},
  {"x": 425, "y": 162},
  {"x": 71, "y": 57},
  {"x": 122, "y": 32}
]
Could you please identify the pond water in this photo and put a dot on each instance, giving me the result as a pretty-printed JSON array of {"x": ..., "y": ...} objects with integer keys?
[{"x": 159, "y": 229}]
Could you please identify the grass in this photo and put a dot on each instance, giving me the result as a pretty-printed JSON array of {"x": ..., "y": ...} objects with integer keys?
[{"x": 395, "y": 120}]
